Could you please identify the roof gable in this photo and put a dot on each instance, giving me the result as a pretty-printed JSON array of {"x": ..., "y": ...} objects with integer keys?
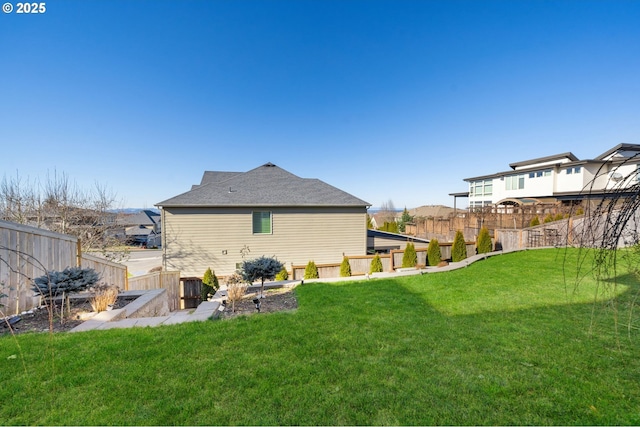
[
  {"x": 545, "y": 161},
  {"x": 266, "y": 185},
  {"x": 620, "y": 151}
]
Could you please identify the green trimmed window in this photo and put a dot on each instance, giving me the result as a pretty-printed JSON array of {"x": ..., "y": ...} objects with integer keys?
[{"x": 261, "y": 222}]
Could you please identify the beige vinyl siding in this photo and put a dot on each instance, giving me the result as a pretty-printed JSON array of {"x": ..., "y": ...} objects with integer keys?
[{"x": 198, "y": 238}]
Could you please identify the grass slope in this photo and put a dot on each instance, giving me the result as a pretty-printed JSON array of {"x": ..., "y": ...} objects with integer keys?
[{"x": 506, "y": 341}]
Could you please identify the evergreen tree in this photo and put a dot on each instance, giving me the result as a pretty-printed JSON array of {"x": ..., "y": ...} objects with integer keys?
[
  {"x": 345, "y": 268},
  {"x": 376, "y": 265},
  {"x": 311, "y": 271},
  {"x": 433, "y": 252},
  {"x": 409, "y": 257},
  {"x": 484, "y": 244},
  {"x": 534, "y": 221},
  {"x": 404, "y": 220},
  {"x": 369, "y": 223},
  {"x": 282, "y": 275},
  {"x": 210, "y": 284},
  {"x": 263, "y": 268},
  {"x": 459, "y": 248}
]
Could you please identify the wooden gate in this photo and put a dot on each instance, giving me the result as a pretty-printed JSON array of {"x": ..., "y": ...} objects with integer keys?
[{"x": 190, "y": 292}]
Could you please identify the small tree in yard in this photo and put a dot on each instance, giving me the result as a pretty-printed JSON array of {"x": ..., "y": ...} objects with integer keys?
[
  {"x": 459, "y": 248},
  {"x": 376, "y": 265},
  {"x": 210, "y": 284},
  {"x": 433, "y": 252},
  {"x": 404, "y": 220},
  {"x": 263, "y": 268},
  {"x": 484, "y": 241},
  {"x": 236, "y": 288},
  {"x": 311, "y": 271},
  {"x": 345, "y": 268},
  {"x": 409, "y": 257}
]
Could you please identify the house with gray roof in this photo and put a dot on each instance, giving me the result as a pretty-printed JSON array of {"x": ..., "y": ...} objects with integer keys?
[{"x": 233, "y": 216}]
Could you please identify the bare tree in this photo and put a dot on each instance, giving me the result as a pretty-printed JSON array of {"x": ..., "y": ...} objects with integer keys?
[
  {"x": 60, "y": 205},
  {"x": 387, "y": 212}
]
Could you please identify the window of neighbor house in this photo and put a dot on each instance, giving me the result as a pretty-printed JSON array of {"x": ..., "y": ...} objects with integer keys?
[
  {"x": 261, "y": 222},
  {"x": 577, "y": 169},
  {"x": 514, "y": 182}
]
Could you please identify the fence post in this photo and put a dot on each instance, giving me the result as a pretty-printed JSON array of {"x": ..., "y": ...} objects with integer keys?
[{"x": 78, "y": 253}]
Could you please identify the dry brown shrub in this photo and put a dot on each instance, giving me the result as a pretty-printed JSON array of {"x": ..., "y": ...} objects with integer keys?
[
  {"x": 104, "y": 296},
  {"x": 236, "y": 289}
]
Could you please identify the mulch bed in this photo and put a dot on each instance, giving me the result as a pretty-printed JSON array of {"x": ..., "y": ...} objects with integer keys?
[
  {"x": 37, "y": 320},
  {"x": 283, "y": 299}
]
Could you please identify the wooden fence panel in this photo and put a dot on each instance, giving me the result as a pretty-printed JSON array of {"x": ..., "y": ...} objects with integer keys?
[
  {"x": 169, "y": 280},
  {"x": 111, "y": 273},
  {"x": 26, "y": 253}
]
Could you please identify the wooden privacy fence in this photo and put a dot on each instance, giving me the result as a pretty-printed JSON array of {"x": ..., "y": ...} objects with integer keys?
[
  {"x": 360, "y": 265},
  {"x": 556, "y": 233},
  {"x": 29, "y": 252},
  {"x": 26, "y": 253},
  {"x": 111, "y": 273},
  {"x": 169, "y": 280}
]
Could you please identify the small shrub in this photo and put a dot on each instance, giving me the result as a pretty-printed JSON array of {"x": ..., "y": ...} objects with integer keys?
[
  {"x": 579, "y": 211},
  {"x": 548, "y": 218},
  {"x": 409, "y": 257},
  {"x": 68, "y": 281},
  {"x": 103, "y": 297},
  {"x": 459, "y": 247},
  {"x": 484, "y": 244},
  {"x": 376, "y": 265},
  {"x": 534, "y": 221},
  {"x": 282, "y": 275},
  {"x": 210, "y": 284},
  {"x": 236, "y": 289},
  {"x": 311, "y": 271},
  {"x": 558, "y": 217},
  {"x": 345, "y": 268},
  {"x": 433, "y": 252}
]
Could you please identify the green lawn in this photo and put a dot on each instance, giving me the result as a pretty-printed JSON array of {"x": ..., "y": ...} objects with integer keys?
[{"x": 506, "y": 341}]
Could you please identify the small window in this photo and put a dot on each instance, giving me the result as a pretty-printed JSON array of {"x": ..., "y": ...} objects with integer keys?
[
  {"x": 547, "y": 172},
  {"x": 577, "y": 169},
  {"x": 569, "y": 171},
  {"x": 538, "y": 174},
  {"x": 262, "y": 223},
  {"x": 532, "y": 175}
]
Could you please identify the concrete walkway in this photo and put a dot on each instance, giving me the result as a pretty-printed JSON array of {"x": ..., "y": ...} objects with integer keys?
[
  {"x": 209, "y": 309},
  {"x": 103, "y": 320}
]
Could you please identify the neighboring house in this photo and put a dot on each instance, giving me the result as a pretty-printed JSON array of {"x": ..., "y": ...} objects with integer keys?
[
  {"x": 432, "y": 211},
  {"x": 560, "y": 178},
  {"x": 233, "y": 216},
  {"x": 142, "y": 228},
  {"x": 139, "y": 235},
  {"x": 383, "y": 242}
]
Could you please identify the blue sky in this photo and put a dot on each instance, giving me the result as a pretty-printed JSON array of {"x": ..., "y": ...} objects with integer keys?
[{"x": 396, "y": 100}]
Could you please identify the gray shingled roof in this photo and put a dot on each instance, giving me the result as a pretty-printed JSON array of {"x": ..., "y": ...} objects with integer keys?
[{"x": 266, "y": 185}]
